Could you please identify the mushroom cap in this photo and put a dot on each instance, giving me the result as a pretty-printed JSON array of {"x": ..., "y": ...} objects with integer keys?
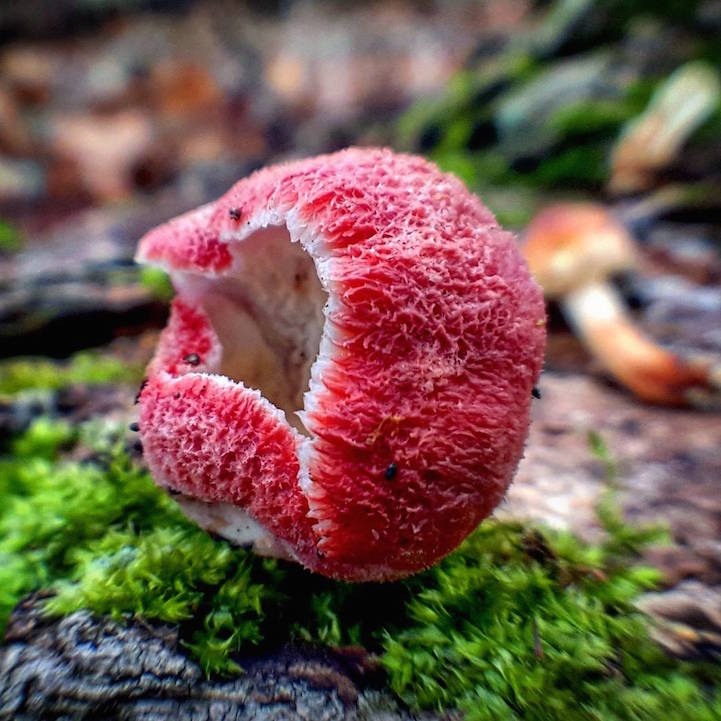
[
  {"x": 417, "y": 405},
  {"x": 569, "y": 245}
]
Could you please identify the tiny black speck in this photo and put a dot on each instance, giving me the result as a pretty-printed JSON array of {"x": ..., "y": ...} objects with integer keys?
[
  {"x": 134, "y": 427},
  {"x": 234, "y": 213},
  {"x": 536, "y": 393},
  {"x": 391, "y": 471},
  {"x": 192, "y": 358}
]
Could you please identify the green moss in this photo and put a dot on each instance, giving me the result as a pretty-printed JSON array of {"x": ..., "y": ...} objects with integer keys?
[
  {"x": 621, "y": 12},
  {"x": 23, "y": 374},
  {"x": 516, "y": 121},
  {"x": 582, "y": 165},
  {"x": 513, "y": 206},
  {"x": 10, "y": 238},
  {"x": 157, "y": 282},
  {"x": 597, "y": 116},
  {"x": 519, "y": 623},
  {"x": 601, "y": 451}
]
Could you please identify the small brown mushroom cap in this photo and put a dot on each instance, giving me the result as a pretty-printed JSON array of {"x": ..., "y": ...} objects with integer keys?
[
  {"x": 572, "y": 249},
  {"x": 569, "y": 245}
]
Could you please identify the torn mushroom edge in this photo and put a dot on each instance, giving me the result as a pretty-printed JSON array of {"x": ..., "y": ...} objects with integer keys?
[{"x": 312, "y": 241}]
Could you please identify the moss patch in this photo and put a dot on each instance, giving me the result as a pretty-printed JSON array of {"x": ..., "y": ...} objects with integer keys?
[
  {"x": 10, "y": 238},
  {"x": 23, "y": 374},
  {"x": 157, "y": 282},
  {"x": 519, "y": 623}
]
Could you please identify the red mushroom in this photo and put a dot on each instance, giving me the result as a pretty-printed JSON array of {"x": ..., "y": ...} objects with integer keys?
[{"x": 346, "y": 376}]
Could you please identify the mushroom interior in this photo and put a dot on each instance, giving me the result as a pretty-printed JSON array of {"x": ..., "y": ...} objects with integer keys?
[{"x": 268, "y": 315}]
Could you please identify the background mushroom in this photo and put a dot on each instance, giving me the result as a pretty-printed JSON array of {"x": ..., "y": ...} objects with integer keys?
[
  {"x": 573, "y": 250},
  {"x": 346, "y": 376},
  {"x": 651, "y": 141}
]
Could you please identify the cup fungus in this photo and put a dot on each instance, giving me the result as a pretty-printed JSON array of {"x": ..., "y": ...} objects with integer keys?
[
  {"x": 573, "y": 250},
  {"x": 346, "y": 375}
]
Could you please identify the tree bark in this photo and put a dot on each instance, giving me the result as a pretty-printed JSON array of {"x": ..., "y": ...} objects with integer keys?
[{"x": 85, "y": 667}]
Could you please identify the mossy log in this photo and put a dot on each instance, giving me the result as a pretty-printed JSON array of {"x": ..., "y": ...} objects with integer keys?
[{"x": 86, "y": 667}]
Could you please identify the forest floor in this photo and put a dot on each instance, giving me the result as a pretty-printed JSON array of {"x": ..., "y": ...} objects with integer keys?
[{"x": 110, "y": 130}]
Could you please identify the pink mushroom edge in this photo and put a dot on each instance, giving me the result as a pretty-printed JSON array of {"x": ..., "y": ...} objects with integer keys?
[{"x": 345, "y": 378}]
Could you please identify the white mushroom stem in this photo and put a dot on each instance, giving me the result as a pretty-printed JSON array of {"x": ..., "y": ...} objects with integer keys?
[
  {"x": 601, "y": 319},
  {"x": 231, "y": 522}
]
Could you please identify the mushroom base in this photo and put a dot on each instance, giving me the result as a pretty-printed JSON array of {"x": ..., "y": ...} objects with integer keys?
[{"x": 235, "y": 525}]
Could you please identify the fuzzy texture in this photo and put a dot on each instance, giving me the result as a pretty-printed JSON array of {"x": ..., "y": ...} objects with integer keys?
[{"x": 419, "y": 399}]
